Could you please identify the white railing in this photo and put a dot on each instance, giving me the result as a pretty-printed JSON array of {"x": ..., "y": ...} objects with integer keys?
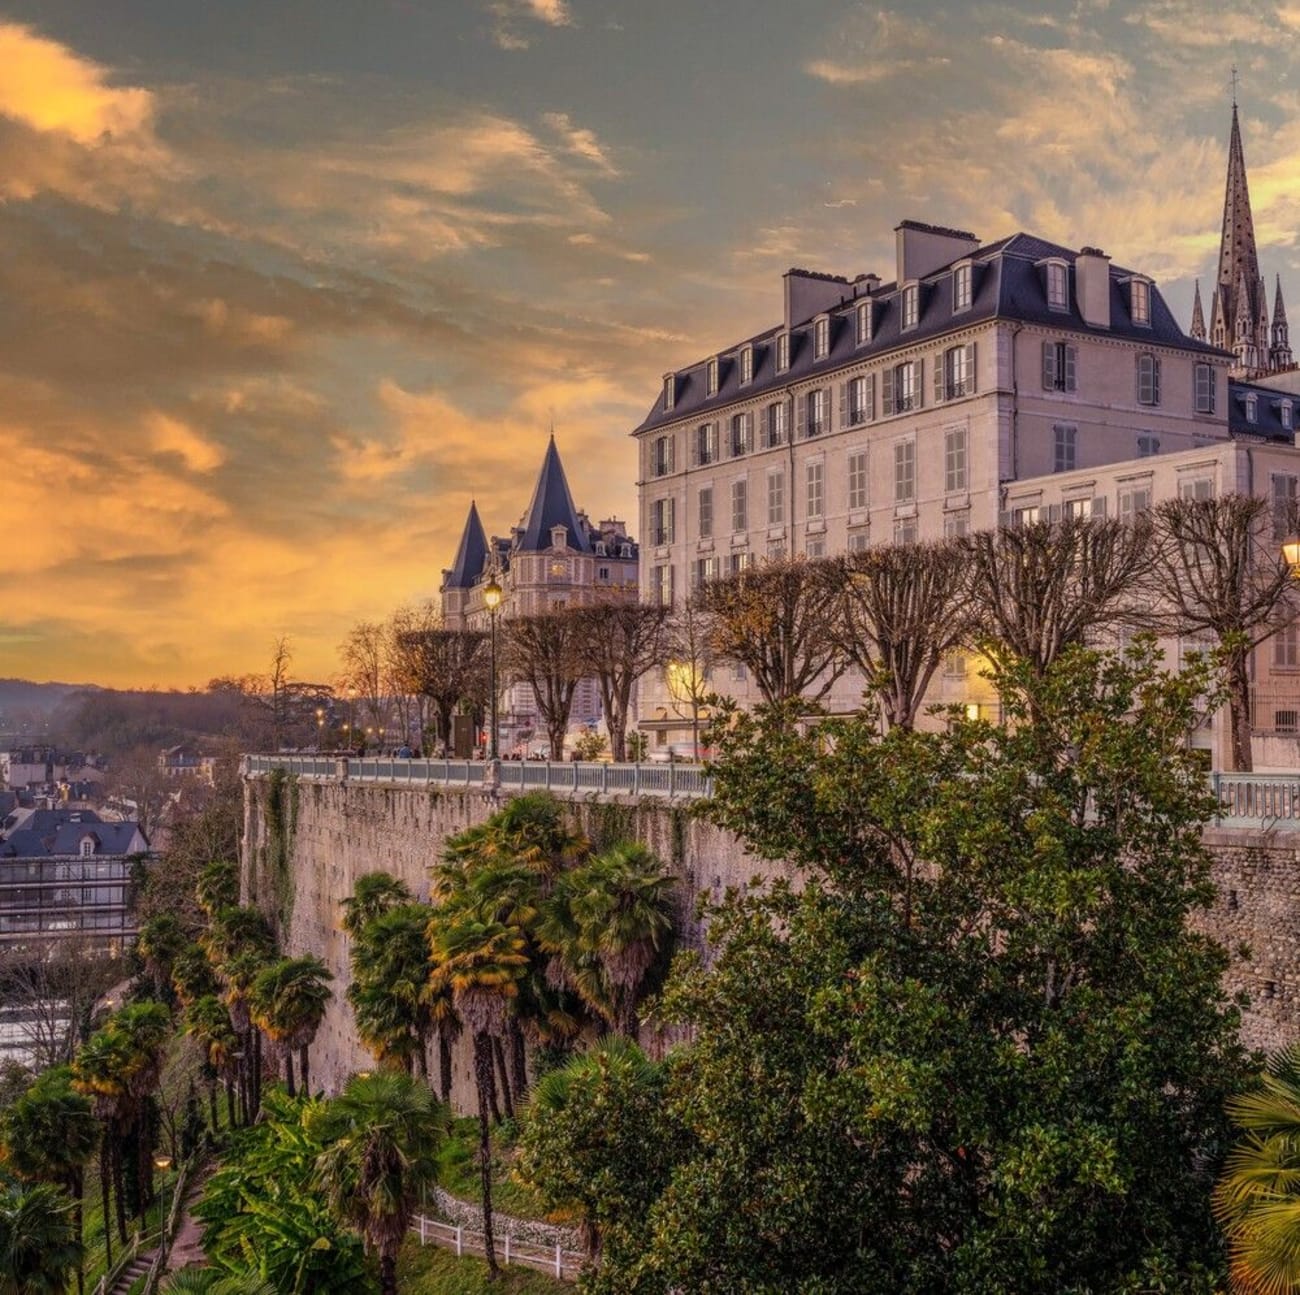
[
  {"x": 560, "y": 1263},
  {"x": 678, "y": 781}
]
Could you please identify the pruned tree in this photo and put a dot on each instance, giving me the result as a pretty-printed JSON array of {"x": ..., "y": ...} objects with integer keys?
[
  {"x": 775, "y": 620},
  {"x": 689, "y": 658},
  {"x": 1220, "y": 573},
  {"x": 402, "y": 633},
  {"x": 448, "y": 667},
  {"x": 903, "y": 608},
  {"x": 1046, "y": 586},
  {"x": 621, "y": 642},
  {"x": 548, "y": 653},
  {"x": 365, "y": 668}
]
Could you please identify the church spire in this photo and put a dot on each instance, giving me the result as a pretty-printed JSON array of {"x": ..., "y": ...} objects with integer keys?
[
  {"x": 1239, "y": 275},
  {"x": 1279, "y": 354},
  {"x": 1198, "y": 315}
]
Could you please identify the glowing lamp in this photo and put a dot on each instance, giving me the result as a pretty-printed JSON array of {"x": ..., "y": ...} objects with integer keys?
[
  {"x": 492, "y": 595},
  {"x": 1291, "y": 554}
]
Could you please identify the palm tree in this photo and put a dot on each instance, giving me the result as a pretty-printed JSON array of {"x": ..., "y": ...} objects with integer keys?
[
  {"x": 213, "y": 1281},
  {"x": 383, "y": 1136},
  {"x": 207, "y": 1022},
  {"x": 50, "y": 1135},
  {"x": 99, "y": 1072},
  {"x": 481, "y": 963},
  {"x": 39, "y": 1246},
  {"x": 374, "y": 894},
  {"x": 622, "y": 906},
  {"x": 146, "y": 1029},
  {"x": 239, "y": 944},
  {"x": 217, "y": 887},
  {"x": 192, "y": 975},
  {"x": 390, "y": 993},
  {"x": 161, "y": 940},
  {"x": 287, "y": 1003},
  {"x": 1257, "y": 1200}
]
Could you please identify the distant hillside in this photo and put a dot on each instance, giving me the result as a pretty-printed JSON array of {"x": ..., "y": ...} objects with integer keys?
[{"x": 26, "y": 708}]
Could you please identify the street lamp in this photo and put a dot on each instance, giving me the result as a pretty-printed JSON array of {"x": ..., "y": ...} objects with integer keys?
[
  {"x": 163, "y": 1163},
  {"x": 492, "y": 601},
  {"x": 1291, "y": 554},
  {"x": 320, "y": 726}
]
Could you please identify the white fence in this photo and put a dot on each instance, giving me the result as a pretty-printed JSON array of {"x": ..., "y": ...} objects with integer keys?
[{"x": 558, "y": 1262}]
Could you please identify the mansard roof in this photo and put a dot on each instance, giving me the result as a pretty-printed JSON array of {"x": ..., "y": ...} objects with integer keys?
[
  {"x": 1008, "y": 284},
  {"x": 552, "y": 506},
  {"x": 1268, "y": 424},
  {"x": 471, "y": 556}
]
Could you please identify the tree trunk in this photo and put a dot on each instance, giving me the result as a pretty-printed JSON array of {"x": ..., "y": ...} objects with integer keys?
[
  {"x": 302, "y": 1070},
  {"x": 288, "y": 1071},
  {"x": 213, "y": 1119},
  {"x": 422, "y": 1059},
  {"x": 444, "y": 1065},
  {"x": 483, "y": 1081},
  {"x": 257, "y": 1075},
  {"x": 105, "y": 1157},
  {"x": 492, "y": 1085},
  {"x": 1239, "y": 710},
  {"x": 518, "y": 1060},
  {"x": 230, "y": 1103},
  {"x": 388, "y": 1274},
  {"x": 78, "y": 1186},
  {"x": 499, "y": 1053},
  {"x": 119, "y": 1189}
]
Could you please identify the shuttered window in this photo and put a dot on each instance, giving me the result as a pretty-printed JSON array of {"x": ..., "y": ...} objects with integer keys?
[
  {"x": 1060, "y": 361},
  {"x": 904, "y": 471},
  {"x": 1204, "y": 384},
  {"x": 858, "y": 481},
  {"x": 1148, "y": 379}
]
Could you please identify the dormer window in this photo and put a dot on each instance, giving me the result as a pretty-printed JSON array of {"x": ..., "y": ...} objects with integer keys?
[
  {"x": 746, "y": 365},
  {"x": 625, "y": 550},
  {"x": 1058, "y": 286},
  {"x": 821, "y": 338},
  {"x": 1252, "y": 408},
  {"x": 87, "y": 846},
  {"x": 1284, "y": 412},
  {"x": 862, "y": 323},
  {"x": 600, "y": 550},
  {"x": 911, "y": 302},
  {"x": 1139, "y": 301},
  {"x": 711, "y": 378},
  {"x": 782, "y": 352},
  {"x": 961, "y": 284},
  {"x": 670, "y": 391}
]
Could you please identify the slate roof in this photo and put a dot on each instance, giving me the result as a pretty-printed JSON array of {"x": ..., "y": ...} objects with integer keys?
[
  {"x": 1268, "y": 412},
  {"x": 59, "y": 831},
  {"x": 471, "y": 555},
  {"x": 1007, "y": 284},
  {"x": 552, "y": 505}
]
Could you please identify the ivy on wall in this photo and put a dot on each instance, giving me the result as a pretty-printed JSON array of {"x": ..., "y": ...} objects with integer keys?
[{"x": 276, "y": 883}]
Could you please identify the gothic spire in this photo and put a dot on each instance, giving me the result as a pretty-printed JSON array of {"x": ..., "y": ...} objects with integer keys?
[
  {"x": 1198, "y": 315},
  {"x": 1279, "y": 354},
  {"x": 1238, "y": 256},
  {"x": 1279, "y": 307}
]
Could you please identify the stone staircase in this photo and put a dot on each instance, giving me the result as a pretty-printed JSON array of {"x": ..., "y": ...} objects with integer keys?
[{"x": 131, "y": 1274}]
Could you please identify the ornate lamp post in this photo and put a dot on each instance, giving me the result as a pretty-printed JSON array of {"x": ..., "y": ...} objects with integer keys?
[
  {"x": 492, "y": 601},
  {"x": 163, "y": 1163},
  {"x": 1291, "y": 554}
]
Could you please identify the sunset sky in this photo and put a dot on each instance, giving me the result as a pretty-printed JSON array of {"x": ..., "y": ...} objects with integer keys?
[{"x": 284, "y": 285}]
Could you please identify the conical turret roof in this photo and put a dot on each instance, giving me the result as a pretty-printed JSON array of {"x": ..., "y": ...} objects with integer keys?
[
  {"x": 471, "y": 555},
  {"x": 552, "y": 506}
]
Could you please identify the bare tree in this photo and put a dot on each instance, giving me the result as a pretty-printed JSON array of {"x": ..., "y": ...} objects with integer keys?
[
  {"x": 278, "y": 685},
  {"x": 402, "y": 654},
  {"x": 547, "y": 652},
  {"x": 775, "y": 620},
  {"x": 1044, "y": 587},
  {"x": 689, "y": 659},
  {"x": 620, "y": 641},
  {"x": 136, "y": 778},
  {"x": 904, "y": 607},
  {"x": 448, "y": 667},
  {"x": 1221, "y": 573}
]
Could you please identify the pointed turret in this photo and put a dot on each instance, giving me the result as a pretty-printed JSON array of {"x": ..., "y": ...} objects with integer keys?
[
  {"x": 471, "y": 556},
  {"x": 1279, "y": 353},
  {"x": 1239, "y": 278},
  {"x": 1198, "y": 315},
  {"x": 552, "y": 507}
]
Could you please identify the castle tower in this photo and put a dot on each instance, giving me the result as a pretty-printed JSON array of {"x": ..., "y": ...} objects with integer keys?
[
  {"x": 1279, "y": 353},
  {"x": 1239, "y": 310}
]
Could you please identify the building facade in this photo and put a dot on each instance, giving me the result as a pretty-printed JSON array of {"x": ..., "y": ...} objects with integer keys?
[
  {"x": 554, "y": 558},
  {"x": 985, "y": 385}
]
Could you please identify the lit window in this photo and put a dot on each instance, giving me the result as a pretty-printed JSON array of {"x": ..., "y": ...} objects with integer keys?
[
  {"x": 961, "y": 278},
  {"x": 860, "y": 400},
  {"x": 742, "y": 433},
  {"x": 747, "y": 365},
  {"x": 661, "y": 521},
  {"x": 706, "y": 513},
  {"x": 911, "y": 303},
  {"x": 1060, "y": 363},
  {"x": 816, "y": 490},
  {"x": 954, "y": 460},
  {"x": 705, "y": 569},
  {"x": 818, "y": 408},
  {"x": 662, "y": 583},
  {"x": 1077, "y": 508},
  {"x": 711, "y": 378},
  {"x": 1065, "y": 447},
  {"x": 1140, "y": 301},
  {"x": 1148, "y": 379},
  {"x": 782, "y": 352},
  {"x": 862, "y": 323},
  {"x": 706, "y": 443},
  {"x": 858, "y": 481},
  {"x": 1058, "y": 286},
  {"x": 907, "y": 387},
  {"x": 1252, "y": 408},
  {"x": 1026, "y": 515},
  {"x": 1205, "y": 382},
  {"x": 663, "y": 456},
  {"x": 670, "y": 389},
  {"x": 776, "y": 498},
  {"x": 904, "y": 471},
  {"x": 821, "y": 338},
  {"x": 778, "y": 423},
  {"x": 740, "y": 505},
  {"x": 954, "y": 374}
]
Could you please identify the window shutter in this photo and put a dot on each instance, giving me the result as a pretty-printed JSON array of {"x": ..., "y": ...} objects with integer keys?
[
  {"x": 1071, "y": 359},
  {"x": 970, "y": 369},
  {"x": 918, "y": 378},
  {"x": 844, "y": 404},
  {"x": 801, "y": 416},
  {"x": 1099, "y": 506},
  {"x": 764, "y": 428},
  {"x": 1155, "y": 379},
  {"x": 938, "y": 378},
  {"x": 869, "y": 398},
  {"x": 1005, "y": 521},
  {"x": 749, "y": 431},
  {"x": 1052, "y": 513},
  {"x": 1049, "y": 366},
  {"x": 670, "y": 519},
  {"x": 887, "y": 393}
]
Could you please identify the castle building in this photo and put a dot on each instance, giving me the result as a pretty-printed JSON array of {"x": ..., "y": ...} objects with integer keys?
[
  {"x": 987, "y": 384},
  {"x": 1239, "y": 315},
  {"x": 554, "y": 558}
]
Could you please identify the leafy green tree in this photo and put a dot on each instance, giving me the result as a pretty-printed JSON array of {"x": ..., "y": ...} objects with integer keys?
[
  {"x": 982, "y": 1049},
  {"x": 50, "y": 1134},
  {"x": 1258, "y": 1198},
  {"x": 287, "y": 1002},
  {"x": 373, "y": 895},
  {"x": 587, "y": 1122},
  {"x": 39, "y": 1246},
  {"x": 382, "y": 1137},
  {"x": 264, "y": 1215}
]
